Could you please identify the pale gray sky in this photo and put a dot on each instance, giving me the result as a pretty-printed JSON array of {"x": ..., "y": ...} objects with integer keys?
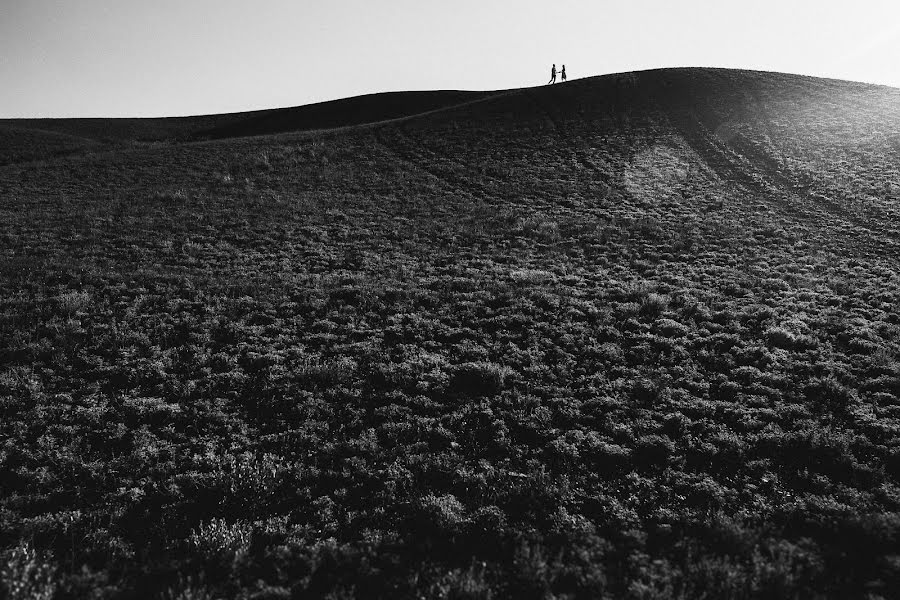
[{"x": 179, "y": 57}]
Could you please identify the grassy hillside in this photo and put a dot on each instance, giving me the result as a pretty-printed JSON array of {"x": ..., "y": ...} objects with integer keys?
[
  {"x": 25, "y": 140},
  {"x": 633, "y": 336}
]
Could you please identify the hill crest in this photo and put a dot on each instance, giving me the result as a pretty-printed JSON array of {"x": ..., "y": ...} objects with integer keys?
[{"x": 39, "y": 139}]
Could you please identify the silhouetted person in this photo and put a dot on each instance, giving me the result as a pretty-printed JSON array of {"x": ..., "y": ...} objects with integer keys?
[
  {"x": 553, "y": 74},
  {"x": 562, "y": 73}
]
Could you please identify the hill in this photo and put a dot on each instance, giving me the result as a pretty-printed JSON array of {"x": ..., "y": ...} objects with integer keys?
[
  {"x": 633, "y": 336},
  {"x": 23, "y": 140}
]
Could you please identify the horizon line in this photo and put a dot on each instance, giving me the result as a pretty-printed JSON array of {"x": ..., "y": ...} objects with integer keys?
[{"x": 407, "y": 91}]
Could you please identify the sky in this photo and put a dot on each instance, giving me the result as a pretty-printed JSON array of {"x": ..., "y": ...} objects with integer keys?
[{"x": 140, "y": 58}]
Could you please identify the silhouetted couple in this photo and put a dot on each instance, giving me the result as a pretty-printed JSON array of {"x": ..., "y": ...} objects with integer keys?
[{"x": 562, "y": 74}]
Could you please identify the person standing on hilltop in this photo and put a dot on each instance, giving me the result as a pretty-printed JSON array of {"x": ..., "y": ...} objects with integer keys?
[
  {"x": 553, "y": 75},
  {"x": 562, "y": 73}
]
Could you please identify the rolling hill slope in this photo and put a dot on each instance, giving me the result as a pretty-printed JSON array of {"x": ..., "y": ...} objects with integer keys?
[
  {"x": 38, "y": 139},
  {"x": 633, "y": 336}
]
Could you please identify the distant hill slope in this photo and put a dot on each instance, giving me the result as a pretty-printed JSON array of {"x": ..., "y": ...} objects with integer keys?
[
  {"x": 38, "y": 139},
  {"x": 831, "y": 146},
  {"x": 823, "y": 148},
  {"x": 34, "y": 139},
  {"x": 359, "y": 110}
]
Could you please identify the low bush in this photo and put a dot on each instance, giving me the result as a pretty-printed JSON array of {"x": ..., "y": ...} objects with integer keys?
[
  {"x": 27, "y": 575},
  {"x": 830, "y": 396},
  {"x": 779, "y": 337},
  {"x": 479, "y": 378}
]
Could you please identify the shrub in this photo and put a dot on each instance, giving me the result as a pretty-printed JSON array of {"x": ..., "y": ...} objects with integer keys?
[
  {"x": 885, "y": 384},
  {"x": 562, "y": 453},
  {"x": 654, "y": 305},
  {"x": 443, "y": 513},
  {"x": 653, "y": 450},
  {"x": 26, "y": 575},
  {"x": 489, "y": 520},
  {"x": 188, "y": 589},
  {"x": 608, "y": 459},
  {"x": 548, "y": 231},
  {"x": 461, "y": 584},
  {"x": 669, "y": 328},
  {"x": 724, "y": 390},
  {"x": 829, "y": 395},
  {"x": 863, "y": 346},
  {"x": 538, "y": 228},
  {"x": 248, "y": 480},
  {"x": 611, "y": 354},
  {"x": 779, "y": 337},
  {"x": 645, "y": 391},
  {"x": 479, "y": 378},
  {"x": 531, "y": 276},
  {"x": 149, "y": 410}
]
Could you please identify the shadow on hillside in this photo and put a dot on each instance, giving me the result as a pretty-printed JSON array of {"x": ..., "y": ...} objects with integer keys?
[
  {"x": 346, "y": 112},
  {"x": 23, "y": 140}
]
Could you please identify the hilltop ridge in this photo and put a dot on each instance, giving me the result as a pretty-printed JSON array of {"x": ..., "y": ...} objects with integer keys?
[{"x": 674, "y": 86}]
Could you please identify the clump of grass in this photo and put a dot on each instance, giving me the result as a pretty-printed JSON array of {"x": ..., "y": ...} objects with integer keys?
[
  {"x": 250, "y": 479},
  {"x": 219, "y": 539},
  {"x": 71, "y": 303},
  {"x": 326, "y": 372},
  {"x": 18, "y": 379}
]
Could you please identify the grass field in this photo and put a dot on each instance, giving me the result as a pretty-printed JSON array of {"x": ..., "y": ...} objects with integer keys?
[{"x": 634, "y": 336}]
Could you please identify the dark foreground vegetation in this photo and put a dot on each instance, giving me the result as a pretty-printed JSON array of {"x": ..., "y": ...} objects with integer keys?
[{"x": 631, "y": 337}]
